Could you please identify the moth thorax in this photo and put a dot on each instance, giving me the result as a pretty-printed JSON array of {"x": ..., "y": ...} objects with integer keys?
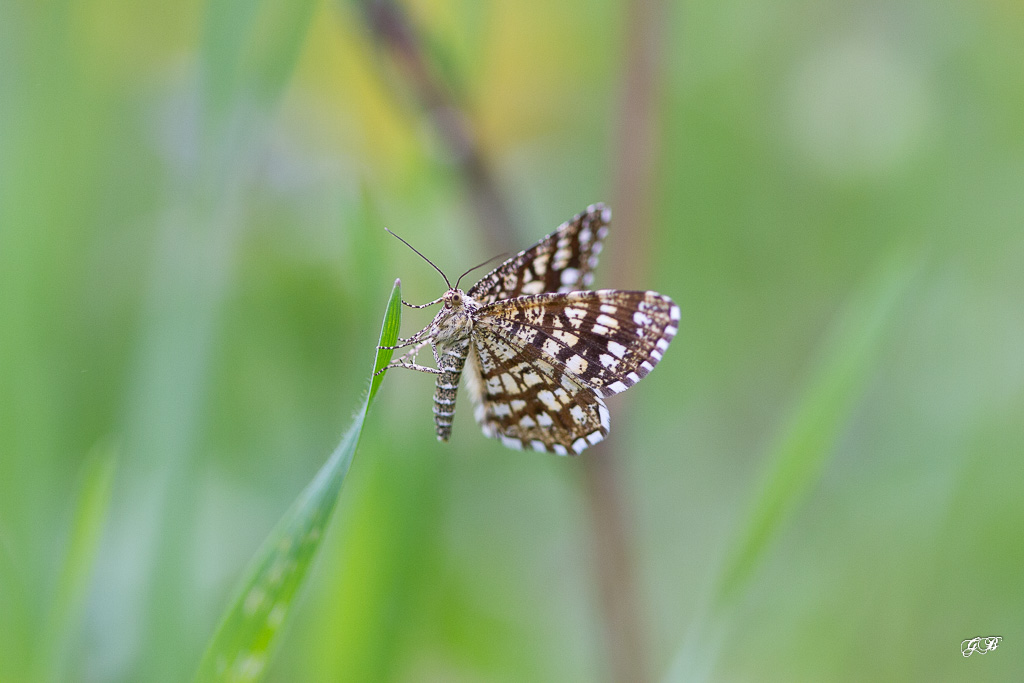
[{"x": 454, "y": 322}]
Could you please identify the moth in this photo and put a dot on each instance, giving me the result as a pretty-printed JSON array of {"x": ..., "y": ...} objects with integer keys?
[{"x": 540, "y": 352}]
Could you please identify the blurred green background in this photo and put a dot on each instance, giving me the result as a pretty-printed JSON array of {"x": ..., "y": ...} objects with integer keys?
[{"x": 193, "y": 271}]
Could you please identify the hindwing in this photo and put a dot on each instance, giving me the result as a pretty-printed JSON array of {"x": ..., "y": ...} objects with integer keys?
[{"x": 522, "y": 398}]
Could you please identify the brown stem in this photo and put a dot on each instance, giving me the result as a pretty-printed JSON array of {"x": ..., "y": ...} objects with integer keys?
[
  {"x": 636, "y": 141},
  {"x": 634, "y": 183},
  {"x": 393, "y": 30},
  {"x": 624, "y": 632}
]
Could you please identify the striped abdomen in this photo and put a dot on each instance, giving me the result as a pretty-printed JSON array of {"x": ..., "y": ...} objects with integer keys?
[{"x": 453, "y": 359}]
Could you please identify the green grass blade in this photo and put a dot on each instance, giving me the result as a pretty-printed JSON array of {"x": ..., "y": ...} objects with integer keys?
[
  {"x": 817, "y": 421},
  {"x": 243, "y": 643},
  {"x": 251, "y": 48},
  {"x": 806, "y": 443},
  {"x": 89, "y": 520},
  {"x": 388, "y": 337}
]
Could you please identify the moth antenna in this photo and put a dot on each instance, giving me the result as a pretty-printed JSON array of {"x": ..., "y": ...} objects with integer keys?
[
  {"x": 424, "y": 258},
  {"x": 479, "y": 265}
]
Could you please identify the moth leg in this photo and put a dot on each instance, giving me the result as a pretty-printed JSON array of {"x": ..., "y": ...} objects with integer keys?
[
  {"x": 435, "y": 301},
  {"x": 410, "y": 355},
  {"x": 408, "y": 366},
  {"x": 437, "y": 356},
  {"x": 403, "y": 343},
  {"x": 407, "y": 360}
]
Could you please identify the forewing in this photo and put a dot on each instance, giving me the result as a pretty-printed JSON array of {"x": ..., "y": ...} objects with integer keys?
[
  {"x": 607, "y": 340},
  {"x": 563, "y": 261},
  {"x": 526, "y": 402}
]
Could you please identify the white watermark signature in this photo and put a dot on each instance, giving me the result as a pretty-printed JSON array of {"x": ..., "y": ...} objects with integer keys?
[{"x": 979, "y": 645}]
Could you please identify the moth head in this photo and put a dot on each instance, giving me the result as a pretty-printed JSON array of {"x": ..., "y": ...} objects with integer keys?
[
  {"x": 455, "y": 299},
  {"x": 454, "y": 321}
]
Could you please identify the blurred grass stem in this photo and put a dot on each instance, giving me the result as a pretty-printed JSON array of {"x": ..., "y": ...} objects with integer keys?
[
  {"x": 632, "y": 196},
  {"x": 846, "y": 363},
  {"x": 392, "y": 29}
]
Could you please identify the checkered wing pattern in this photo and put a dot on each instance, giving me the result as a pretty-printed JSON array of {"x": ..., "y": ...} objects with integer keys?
[
  {"x": 526, "y": 401},
  {"x": 563, "y": 261},
  {"x": 541, "y": 364}
]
